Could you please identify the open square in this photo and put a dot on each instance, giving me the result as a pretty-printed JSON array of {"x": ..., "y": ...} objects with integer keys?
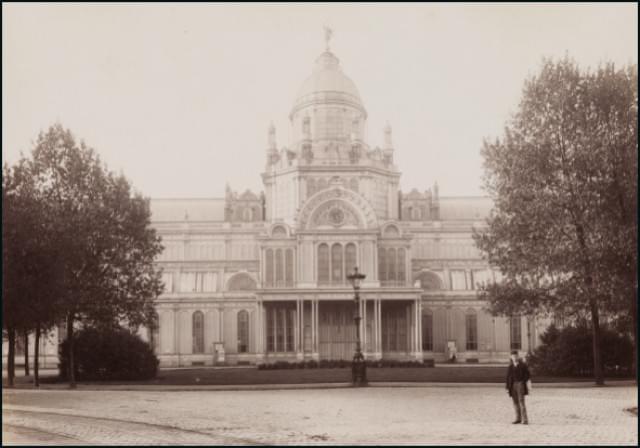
[{"x": 375, "y": 415}]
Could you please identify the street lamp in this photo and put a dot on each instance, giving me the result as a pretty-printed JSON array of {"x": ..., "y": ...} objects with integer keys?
[{"x": 358, "y": 367}]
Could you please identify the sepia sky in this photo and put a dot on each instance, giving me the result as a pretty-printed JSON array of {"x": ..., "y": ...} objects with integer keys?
[{"x": 179, "y": 97}]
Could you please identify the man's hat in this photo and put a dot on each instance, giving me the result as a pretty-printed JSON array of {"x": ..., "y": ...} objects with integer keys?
[{"x": 514, "y": 352}]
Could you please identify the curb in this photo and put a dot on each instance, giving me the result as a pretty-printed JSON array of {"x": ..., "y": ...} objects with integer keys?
[{"x": 266, "y": 387}]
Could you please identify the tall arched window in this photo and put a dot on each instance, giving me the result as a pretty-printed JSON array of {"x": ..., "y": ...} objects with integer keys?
[
  {"x": 416, "y": 214},
  {"x": 247, "y": 214},
  {"x": 288, "y": 264},
  {"x": 243, "y": 331},
  {"x": 337, "y": 268},
  {"x": 471, "y": 320},
  {"x": 323, "y": 264},
  {"x": 279, "y": 268},
  {"x": 515, "y": 330},
  {"x": 401, "y": 266},
  {"x": 198, "y": 332},
  {"x": 429, "y": 281},
  {"x": 382, "y": 264},
  {"x": 241, "y": 282},
  {"x": 350, "y": 261},
  {"x": 427, "y": 330},
  {"x": 269, "y": 267},
  {"x": 391, "y": 265}
]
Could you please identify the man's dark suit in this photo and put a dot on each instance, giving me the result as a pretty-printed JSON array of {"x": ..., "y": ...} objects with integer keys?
[{"x": 517, "y": 377}]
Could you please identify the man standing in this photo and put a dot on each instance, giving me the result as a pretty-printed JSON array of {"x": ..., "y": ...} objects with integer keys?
[{"x": 517, "y": 378}]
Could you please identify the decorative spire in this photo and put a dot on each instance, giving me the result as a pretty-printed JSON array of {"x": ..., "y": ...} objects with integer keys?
[
  {"x": 388, "y": 144},
  {"x": 272, "y": 137},
  {"x": 328, "y": 32}
]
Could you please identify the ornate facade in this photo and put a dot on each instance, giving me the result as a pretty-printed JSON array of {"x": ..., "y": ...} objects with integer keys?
[{"x": 254, "y": 278}]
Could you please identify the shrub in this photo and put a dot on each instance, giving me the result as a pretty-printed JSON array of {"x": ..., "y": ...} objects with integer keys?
[
  {"x": 429, "y": 363},
  {"x": 312, "y": 364},
  {"x": 109, "y": 354},
  {"x": 569, "y": 352}
]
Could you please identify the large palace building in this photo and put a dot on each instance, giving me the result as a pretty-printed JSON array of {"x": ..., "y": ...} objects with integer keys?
[
  {"x": 256, "y": 278},
  {"x": 253, "y": 278}
]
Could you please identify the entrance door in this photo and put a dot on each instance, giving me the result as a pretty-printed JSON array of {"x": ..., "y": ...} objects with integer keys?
[
  {"x": 336, "y": 330},
  {"x": 395, "y": 327}
]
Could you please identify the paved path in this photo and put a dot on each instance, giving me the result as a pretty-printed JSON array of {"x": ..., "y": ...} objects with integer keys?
[{"x": 375, "y": 415}]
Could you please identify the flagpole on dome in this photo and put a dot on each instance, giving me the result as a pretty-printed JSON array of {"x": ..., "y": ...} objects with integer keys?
[{"x": 328, "y": 32}]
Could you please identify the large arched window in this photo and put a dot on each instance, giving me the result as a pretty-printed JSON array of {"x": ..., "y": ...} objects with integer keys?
[
  {"x": 243, "y": 331},
  {"x": 515, "y": 331},
  {"x": 288, "y": 264},
  {"x": 269, "y": 267},
  {"x": 198, "y": 332},
  {"x": 247, "y": 214},
  {"x": 427, "y": 330},
  {"x": 279, "y": 232},
  {"x": 337, "y": 269},
  {"x": 429, "y": 281},
  {"x": 241, "y": 282},
  {"x": 391, "y": 265},
  {"x": 279, "y": 268},
  {"x": 382, "y": 264},
  {"x": 350, "y": 261},
  {"x": 401, "y": 266},
  {"x": 323, "y": 264},
  {"x": 471, "y": 320}
]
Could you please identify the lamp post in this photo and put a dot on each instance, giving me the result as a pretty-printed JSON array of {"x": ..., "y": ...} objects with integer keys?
[{"x": 358, "y": 367}]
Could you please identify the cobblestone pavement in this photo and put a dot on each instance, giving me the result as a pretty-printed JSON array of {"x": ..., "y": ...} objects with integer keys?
[{"x": 376, "y": 415}]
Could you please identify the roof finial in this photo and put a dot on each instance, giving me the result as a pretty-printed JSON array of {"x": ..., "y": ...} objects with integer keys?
[{"x": 328, "y": 32}]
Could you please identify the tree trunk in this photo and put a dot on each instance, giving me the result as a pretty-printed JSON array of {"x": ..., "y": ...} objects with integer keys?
[
  {"x": 11, "y": 362},
  {"x": 634, "y": 313},
  {"x": 597, "y": 349},
  {"x": 36, "y": 362},
  {"x": 26, "y": 353},
  {"x": 71, "y": 366},
  {"x": 593, "y": 307}
]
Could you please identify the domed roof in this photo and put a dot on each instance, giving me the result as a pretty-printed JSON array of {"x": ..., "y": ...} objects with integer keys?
[{"x": 328, "y": 83}]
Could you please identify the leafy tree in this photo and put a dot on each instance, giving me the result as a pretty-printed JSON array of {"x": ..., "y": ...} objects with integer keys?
[
  {"x": 30, "y": 263},
  {"x": 567, "y": 352},
  {"x": 105, "y": 241},
  {"x": 563, "y": 178}
]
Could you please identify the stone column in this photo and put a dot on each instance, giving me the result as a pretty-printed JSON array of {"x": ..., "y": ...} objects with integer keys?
[
  {"x": 221, "y": 325},
  {"x": 260, "y": 332},
  {"x": 316, "y": 343},
  {"x": 378, "y": 326},
  {"x": 418, "y": 329},
  {"x": 302, "y": 328},
  {"x": 364, "y": 327},
  {"x": 176, "y": 329},
  {"x": 298, "y": 332}
]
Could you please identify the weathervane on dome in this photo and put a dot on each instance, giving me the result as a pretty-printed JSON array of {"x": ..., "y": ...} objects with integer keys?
[{"x": 328, "y": 32}]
